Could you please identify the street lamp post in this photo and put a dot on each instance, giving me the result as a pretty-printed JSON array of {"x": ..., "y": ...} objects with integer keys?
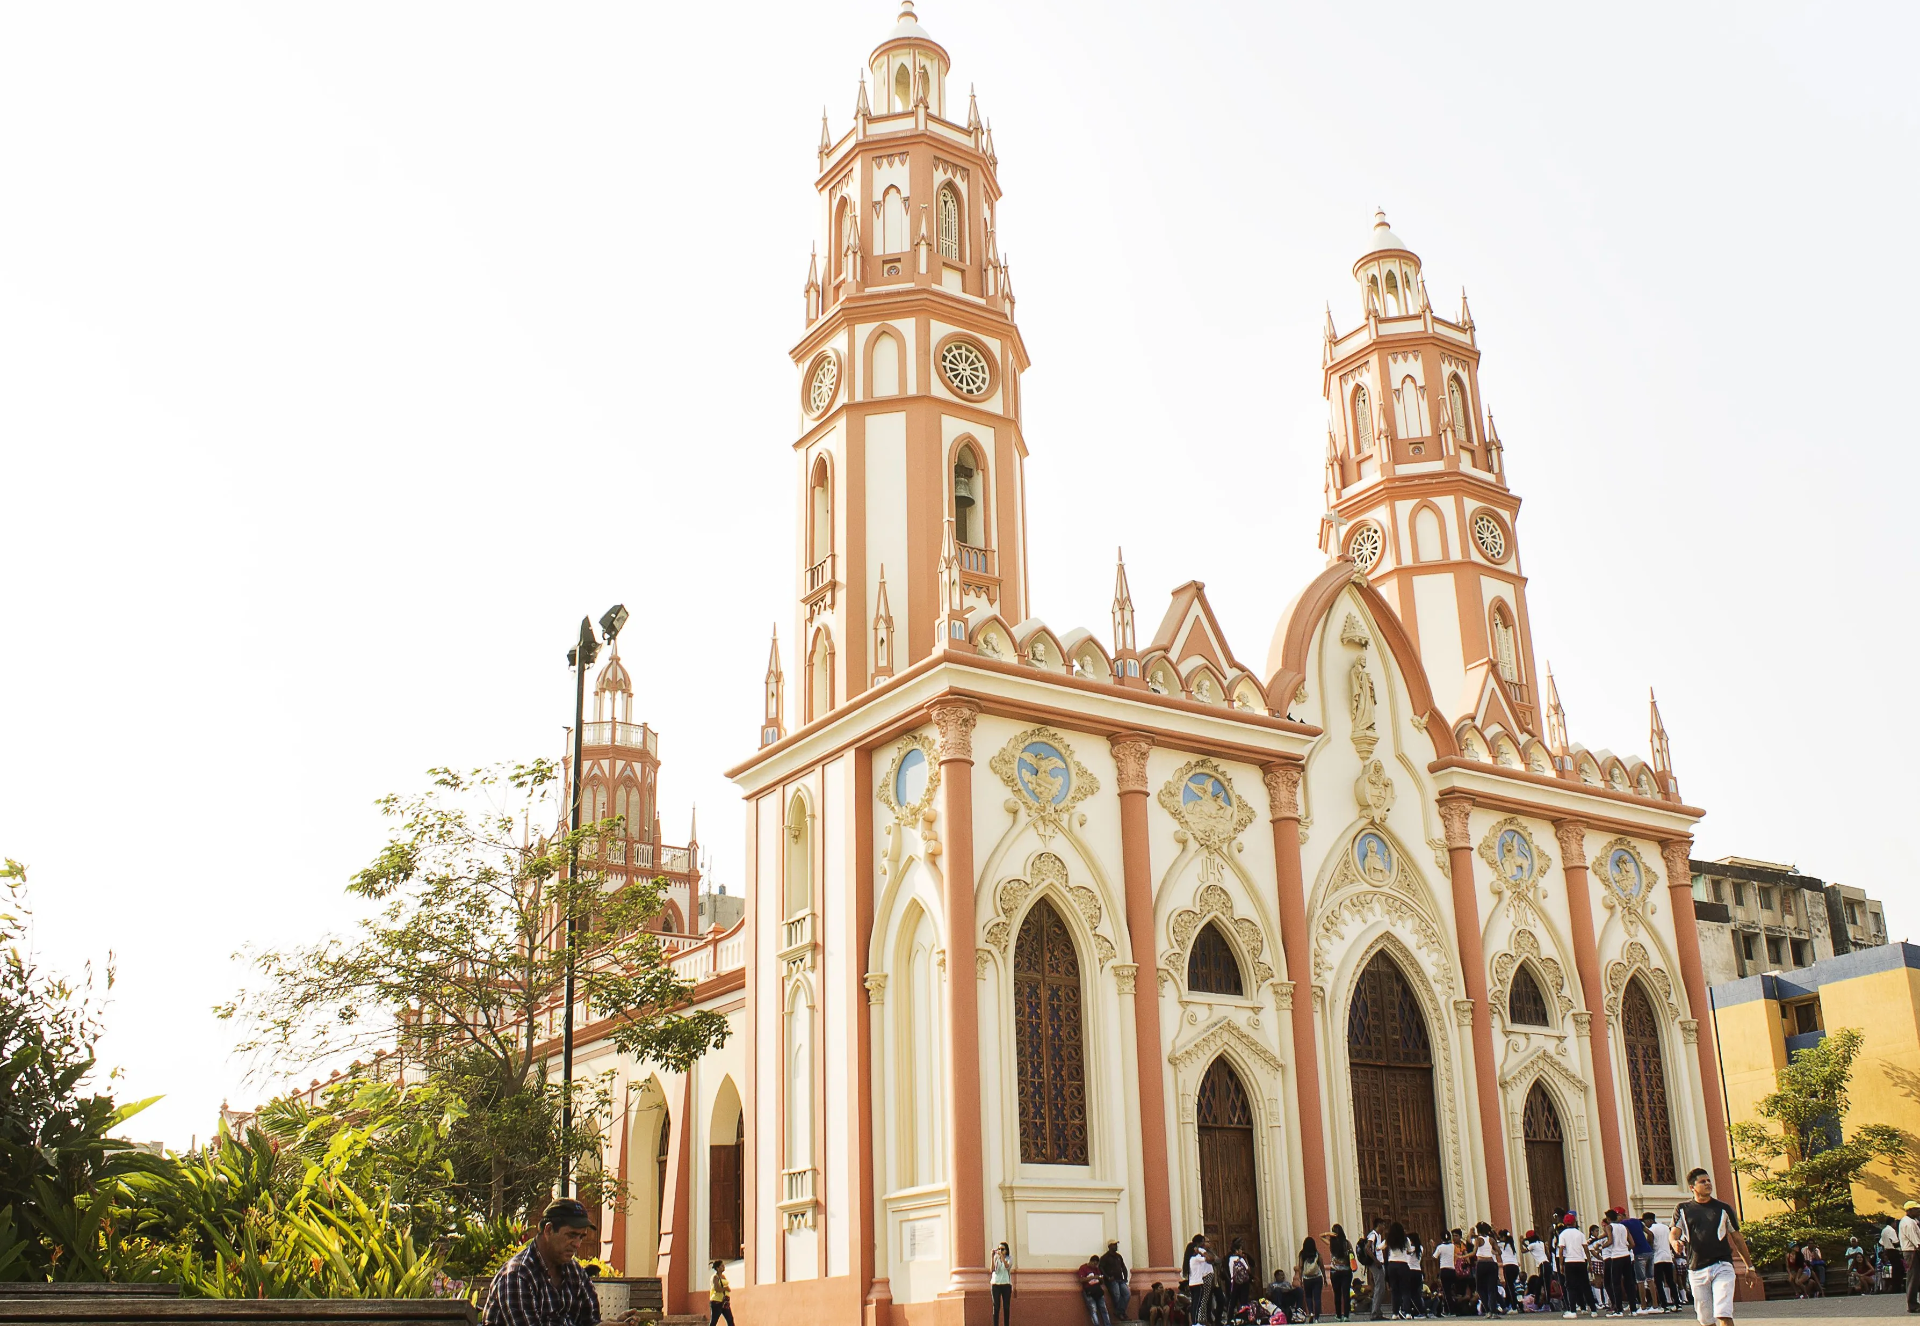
[{"x": 579, "y": 658}]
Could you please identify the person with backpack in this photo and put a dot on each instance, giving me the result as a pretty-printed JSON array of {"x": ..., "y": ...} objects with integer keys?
[
  {"x": 1310, "y": 1275},
  {"x": 1340, "y": 1262},
  {"x": 1239, "y": 1277},
  {"x": 1093, "y": 1290},
  {"x": 1372, "y": 1256}
]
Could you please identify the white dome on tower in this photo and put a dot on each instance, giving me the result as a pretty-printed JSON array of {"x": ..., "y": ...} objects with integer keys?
[
  {"x": 1383, "y": 237},
  {"x": 906, "y": 26}
]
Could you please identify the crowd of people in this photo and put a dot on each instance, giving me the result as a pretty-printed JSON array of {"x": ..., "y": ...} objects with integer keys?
[{"x": 1620, "y": 1265}]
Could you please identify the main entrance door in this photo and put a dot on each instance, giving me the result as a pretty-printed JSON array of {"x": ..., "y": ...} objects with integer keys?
[
  {"x": 1396, "y": 1139},
  {"x": 1546, "y": 1157},
  {"x": 1229, "y": 1186}
]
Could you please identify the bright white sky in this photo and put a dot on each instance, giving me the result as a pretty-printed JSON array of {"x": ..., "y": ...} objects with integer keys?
[{"x": 349, "y": 353}]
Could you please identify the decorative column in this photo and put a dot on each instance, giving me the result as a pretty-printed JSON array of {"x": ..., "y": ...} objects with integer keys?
[
  {"x": 954, "y": 720},
  {"x": 1283, "y": 798},
  {"x": 1678, "y": 855},
  {"x": 1454, "y": 812},
  {"x": 1586, "y": 958},
  {"x": 1130, "y": 756}
]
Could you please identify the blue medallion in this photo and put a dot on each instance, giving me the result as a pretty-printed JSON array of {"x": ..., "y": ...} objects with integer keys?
[
  {"x": 1044, "y": 773},
  {"x": 1623, "y": 872},
  {"x": 910, "y": 778},
  {"x": 1373, "y": 858},
  {"x": 1515, "y": 855},
  {"x": 1205, "y": 787}
]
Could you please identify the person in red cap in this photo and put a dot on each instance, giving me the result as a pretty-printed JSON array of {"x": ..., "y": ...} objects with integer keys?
[{"x": 1572, "y": 1247}]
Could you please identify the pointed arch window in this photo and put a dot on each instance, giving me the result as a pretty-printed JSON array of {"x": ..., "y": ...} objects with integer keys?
[
  {"x": 1505, "y": 656},
  {"x": 949, "y": 223},
  {"x": 819, "y": 516},
  {"x": 1393, "y": 296},
  {"x": 660, "y": 1166},
  {"x": 969, "y": 490},
  {"x": 1049, "y": 1041},
  {"x": 843, "y": 237},
  {"x": 1462, "y": 417},
  {"x": 1212, "y": 967},
  {"x": 1525, "y": 1003},
  {"x": 1647, "y": 1084},
  {"x": 799, "y": 858},
  {"x": 902, "y": 88},
  {"x": 1362, "y": 420}
]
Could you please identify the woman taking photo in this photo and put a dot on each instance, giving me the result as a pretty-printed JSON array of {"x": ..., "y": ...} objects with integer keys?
[{"x": 1002, "y": 1286}]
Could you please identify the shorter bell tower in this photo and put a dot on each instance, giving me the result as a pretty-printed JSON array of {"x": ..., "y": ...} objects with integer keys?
[{"x": 1416, "y": 484}]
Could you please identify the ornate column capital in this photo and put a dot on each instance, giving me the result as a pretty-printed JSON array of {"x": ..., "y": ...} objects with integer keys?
[
  {"x": 1283, "y": 995},
  {"x": 1583, "y": 1024},
  {"x": 954, "y": 720},
  {"x": 1123, "y": 976},
  {"x": 876, "y": 983},
  {"x": 1690, "y": 1031},
  {"x": 1678, "y": 855},
  {"x": 1573, "y": 842},
  {"x": 1130, "y": 757},
  {"x": 1454, "y": 812},
  {"x": 1463, "y": 1012},
  {"x": 1283, "y": 790}
]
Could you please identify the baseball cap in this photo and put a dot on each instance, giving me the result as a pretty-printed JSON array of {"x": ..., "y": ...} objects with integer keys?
[
  {"x": 566, "y": 1213},
  {"x": 1569, "y": 1220}
]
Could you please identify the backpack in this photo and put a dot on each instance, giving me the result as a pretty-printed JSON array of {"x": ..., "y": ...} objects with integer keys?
[
  {"x": 1363, "y": 1253},
  {"x": 1238, "y": 1271}
]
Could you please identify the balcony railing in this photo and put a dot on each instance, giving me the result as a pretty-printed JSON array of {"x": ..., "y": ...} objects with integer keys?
[
  {"x": 636, "y": 735},
  {"x": 797, "y": 932},
  {"x": 797, "y": 1185},
  {"x": 977, "y": 560},
  {"x": 820, "y": 574}
]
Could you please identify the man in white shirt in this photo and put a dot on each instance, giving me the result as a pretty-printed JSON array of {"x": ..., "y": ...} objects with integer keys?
[
  {"x": 1571, "y": 1245},
  {"x": 1377, "y": 1273},
  {"x": 1910, "y": 1248},
  {"x": 1666, "y": 1287},
  {"x": 1619, "y": 1259},
  {"x": 1890, "y": 1268}
]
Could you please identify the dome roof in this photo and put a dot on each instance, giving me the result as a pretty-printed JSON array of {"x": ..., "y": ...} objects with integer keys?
[
  {"x": 1383, "y": 237},
  {"x": 907, "y": 27},
  {"x": 613, "y": 677}
]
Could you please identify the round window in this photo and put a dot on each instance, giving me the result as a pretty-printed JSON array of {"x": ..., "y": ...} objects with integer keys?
[
  {"x": 826, "y": 378},
  {"x": 965, "y": 367},
  {"x": 1364, "y": 547},
  {"x": 1491, "y": 538}
]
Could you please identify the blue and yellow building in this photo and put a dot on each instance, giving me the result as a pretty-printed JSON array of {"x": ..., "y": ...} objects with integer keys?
[{"x": 1762, "y": 1021}]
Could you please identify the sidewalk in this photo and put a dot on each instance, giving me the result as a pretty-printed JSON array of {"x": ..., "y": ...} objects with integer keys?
[{"x": 1850, "y": 1307}]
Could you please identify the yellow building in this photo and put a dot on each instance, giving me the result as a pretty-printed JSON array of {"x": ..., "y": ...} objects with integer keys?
[{"x": 1761, "y": 1022}]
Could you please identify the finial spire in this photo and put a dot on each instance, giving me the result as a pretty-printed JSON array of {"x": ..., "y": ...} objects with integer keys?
[
  {"x": 1123, "y": 637},
  {"x": 1466, "y": 314},
  {"x": 1331, "y": 333},
  {"x": 973, "y": 110},
  {"x": 1556, "y": 720},
  {"x": 693, "y": 825},
  {"x": 826, "y": 138},
  {"x": 1662, "y": 751},
  {"x": 860, "y": 109},
  {"x": 771, "y": 728},
  {"x": 882, "y": 630}
]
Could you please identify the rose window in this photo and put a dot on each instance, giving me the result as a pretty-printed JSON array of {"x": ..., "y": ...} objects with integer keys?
[
  {"x": 1491, "y": 538},
  {"x": 1365, "y": 547},
  {"x": 826, "y": 377},
  {"x": 965, "y": 367}
]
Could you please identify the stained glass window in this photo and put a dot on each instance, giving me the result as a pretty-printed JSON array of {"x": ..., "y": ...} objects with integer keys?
[
  {"x": 1540, "y": 1122},
  {"x": 1049, "y": 1041},
  {"x": 1362, "y": 420},
  {"x": 1525, "y": 1003},
  {"x": 1462, "y": 418},
  {"x": 1647, "y": 1084},
  {"x": 1211, "y": 967}
]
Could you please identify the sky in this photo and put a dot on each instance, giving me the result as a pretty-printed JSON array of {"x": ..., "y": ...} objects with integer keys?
[{"x": 350, "y": 353}]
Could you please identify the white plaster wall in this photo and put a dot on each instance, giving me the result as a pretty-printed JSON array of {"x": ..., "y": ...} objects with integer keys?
[
  {"x": 1441, "y": 653},
  {"x": 886, "y": 514},
  {"x": 840, "y": 1026},
  {"x": 768, "y": 908}
]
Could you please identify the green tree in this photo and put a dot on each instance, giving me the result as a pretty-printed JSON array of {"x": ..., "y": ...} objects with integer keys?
[
  {"x": 1795, "y": 1153},
  {"x": 60, "y": 1165},
  {"x": 462, "y": 966}
]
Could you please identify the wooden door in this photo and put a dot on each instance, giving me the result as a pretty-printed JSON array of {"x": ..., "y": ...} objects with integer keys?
[
  {"x": 723, "y": 1192},
  {"x": 1396, "y": 1131},
  {"x": 1229, "y": 1173},
  {"x": 1546, "y": 1157}
]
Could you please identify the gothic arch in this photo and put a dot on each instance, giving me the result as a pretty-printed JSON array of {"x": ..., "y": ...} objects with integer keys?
[
  {"x": 819, "y": 678},
  {"x": 1263, "y": 1075},
  {"x": 651, "y": 1116},
  {"x": 820, "y": 508},
  {"x": 1549, "y": 972},
  {"x": 1423, "y": 549},
  {"x": 979, "y": 534},
  {"x": 1213, "y": 905},
  {"x": 1571, "y": 1095},
  {"x": 1443, "y": 1017},
  {"x": 898, "y": 354}
]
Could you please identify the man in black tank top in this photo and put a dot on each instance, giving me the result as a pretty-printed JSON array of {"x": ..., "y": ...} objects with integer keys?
[{"x": 1709, "y": 1232}]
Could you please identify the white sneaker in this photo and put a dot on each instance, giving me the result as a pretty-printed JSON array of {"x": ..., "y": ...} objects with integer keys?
[{"x": 1569, "y": 1315}]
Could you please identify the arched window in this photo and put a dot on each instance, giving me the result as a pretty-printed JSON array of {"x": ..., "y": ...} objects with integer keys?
[
  {"x": 1049, "y": 1041},
  {"x": 893, "y": 221},
  {"x": 843, "y": 237},
  {"x": 820, "y": 676},
  {"x": 1462, "y": 416},
  {"x": 819, "y": 515},
  {"x": 1406, "y": 409},
  {"x": 725, "y": 1208},
  {"x": 1362, "y": 420},
  {"x": 1647, "y": 1084},
  {"x": 949, "y": 223},
  {"x": 1505, "y": 656},
  {"x": 1429, "y": 544},
  {"x": 969, "y": 486},
  {"x": 1373, "y": 294},
  {"x": 1393, "y": 296},
  {"x": 902, "y": 89},
  {"x": 621, "y": 812},
  {"x": 660, "y": 1168},
  {"x": 799, "y": 858},
  {"x": 885, "y": 359},
  {"x": 1525, "y": 1003},
  {"x": 1211, "y": 966}
]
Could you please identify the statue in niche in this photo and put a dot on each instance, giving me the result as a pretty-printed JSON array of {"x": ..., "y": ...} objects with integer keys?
[{"x": 1360, "y": 707}]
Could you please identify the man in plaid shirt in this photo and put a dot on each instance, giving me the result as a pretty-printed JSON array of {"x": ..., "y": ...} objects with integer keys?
[{"x": 542, "y": 1284}]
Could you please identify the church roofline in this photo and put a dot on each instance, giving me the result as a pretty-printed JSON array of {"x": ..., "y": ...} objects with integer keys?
[{"x": 1591, "y": 805}]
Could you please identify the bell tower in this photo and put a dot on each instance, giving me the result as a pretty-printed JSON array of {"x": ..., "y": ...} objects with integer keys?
[
  {"x": 1416, "y": 484},
  {"x": 908, "y": 384}
]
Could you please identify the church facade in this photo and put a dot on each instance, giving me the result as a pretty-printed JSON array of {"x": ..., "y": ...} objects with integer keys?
[{"x": 1056, "y": 936}]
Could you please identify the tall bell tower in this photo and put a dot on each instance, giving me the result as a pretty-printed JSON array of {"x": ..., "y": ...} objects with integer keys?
[
  {"x": 1417, "y": 489},
  {"x": 908, "y": 384}
]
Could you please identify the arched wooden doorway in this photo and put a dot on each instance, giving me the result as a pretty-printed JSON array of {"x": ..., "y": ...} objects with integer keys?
[
  {"x": 1396, "y": 1139},
  {"x": 1229, "y": 1174},
  {"x": 1546, "y": 1157},
  {"x": 1647, "y": 1084}
]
